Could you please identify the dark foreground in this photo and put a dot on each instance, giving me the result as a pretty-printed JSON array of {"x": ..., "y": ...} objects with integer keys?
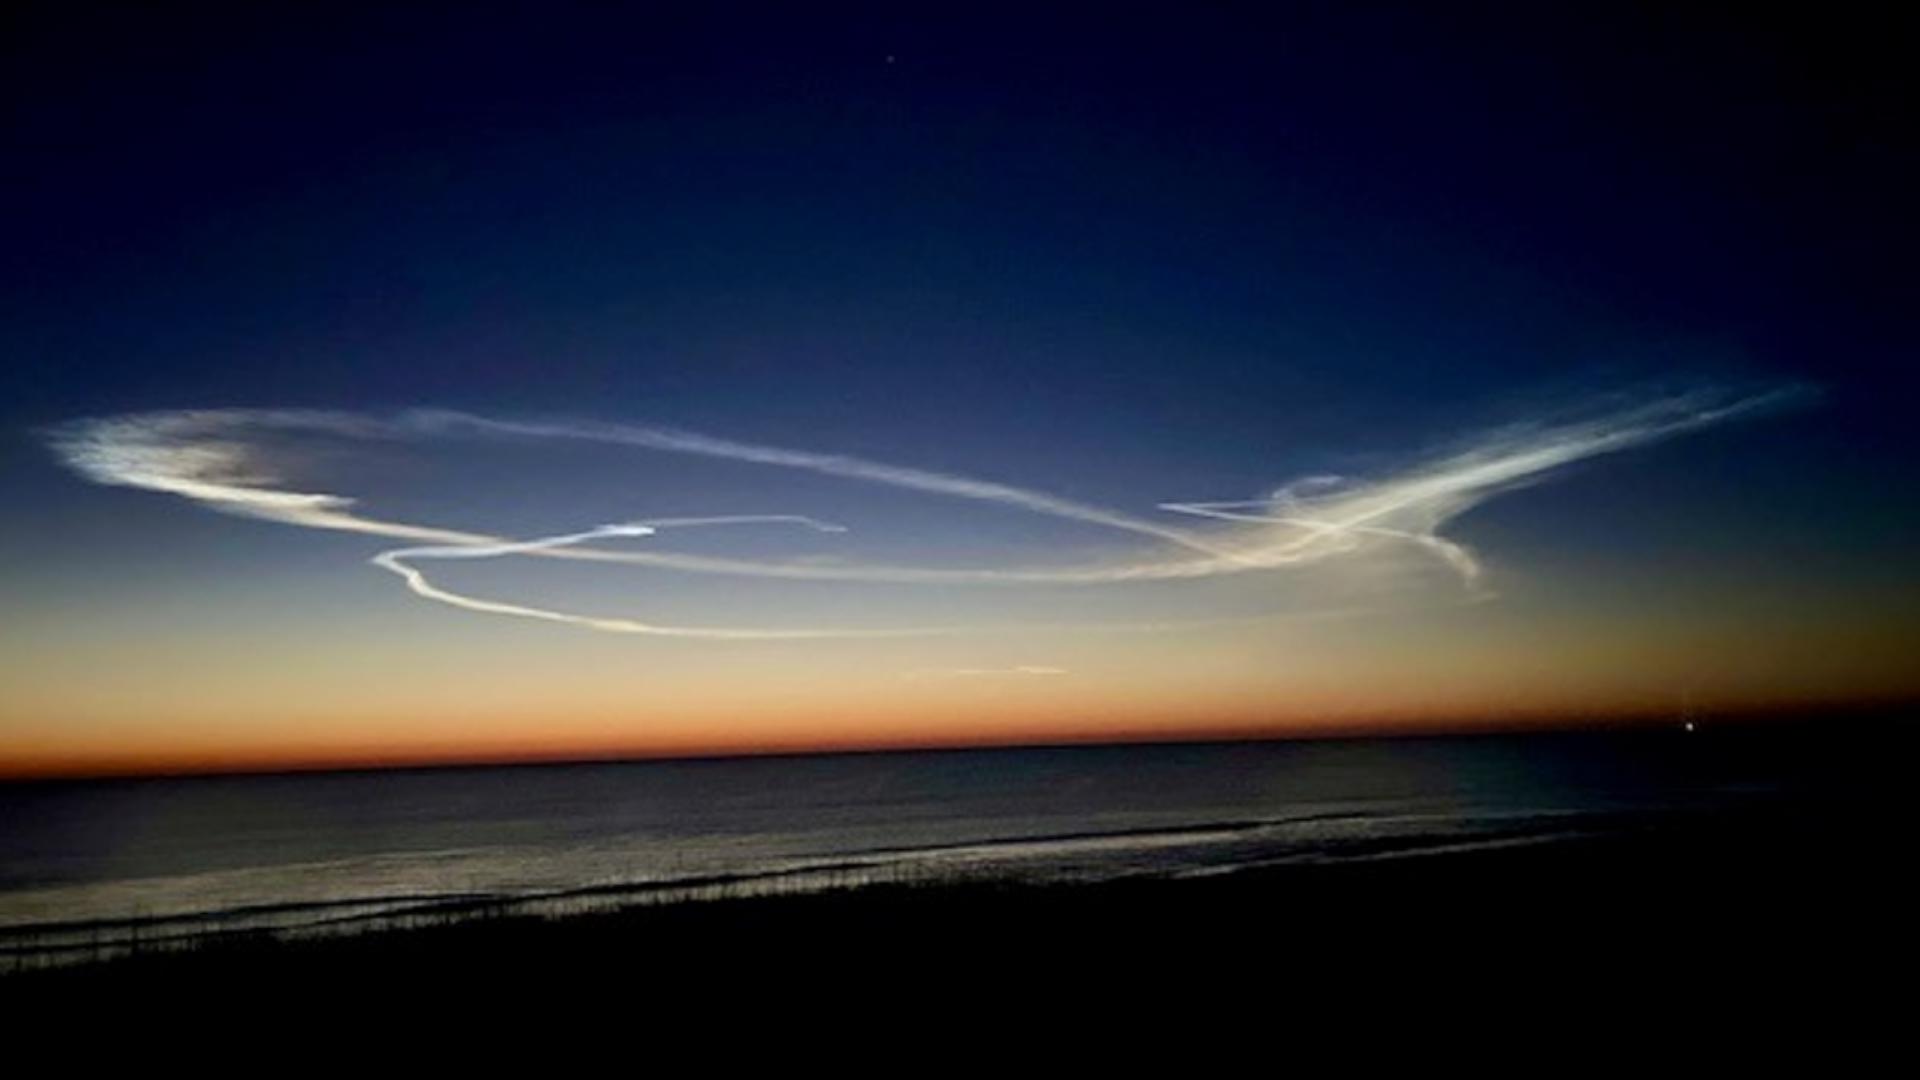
[{"x": 1783, "y": 914}]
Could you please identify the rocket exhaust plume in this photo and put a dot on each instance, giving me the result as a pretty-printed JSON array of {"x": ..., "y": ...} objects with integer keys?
[{"x": 211, "y": 458}]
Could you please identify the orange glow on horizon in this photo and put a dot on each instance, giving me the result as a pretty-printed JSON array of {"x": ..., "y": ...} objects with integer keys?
[{"x": 809, "y": 735}]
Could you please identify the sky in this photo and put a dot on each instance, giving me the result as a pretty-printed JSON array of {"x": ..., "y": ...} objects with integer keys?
[{"x": 578, "y": 381}]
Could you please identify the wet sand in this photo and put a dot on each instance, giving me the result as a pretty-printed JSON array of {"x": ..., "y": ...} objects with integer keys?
[{"x": 1764, "y": 910}]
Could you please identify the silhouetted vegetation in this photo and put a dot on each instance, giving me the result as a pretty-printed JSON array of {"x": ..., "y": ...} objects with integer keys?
[{"x": 1755, "y": 905}]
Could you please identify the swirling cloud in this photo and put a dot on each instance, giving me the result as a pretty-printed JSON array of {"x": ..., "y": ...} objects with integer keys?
[{"x": 211, "y": 458}]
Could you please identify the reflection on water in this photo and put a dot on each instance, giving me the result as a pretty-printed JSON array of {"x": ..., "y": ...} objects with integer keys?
[{"x": 86, "y": 867}]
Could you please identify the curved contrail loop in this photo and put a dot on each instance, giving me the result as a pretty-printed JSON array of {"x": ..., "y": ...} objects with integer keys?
[
  {"x": 204, "y": 456},
  {"x": 396, "y": 561}
]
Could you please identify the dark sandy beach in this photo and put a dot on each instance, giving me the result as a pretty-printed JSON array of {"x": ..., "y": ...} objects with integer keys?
[{"x": 1777, "y": 909}]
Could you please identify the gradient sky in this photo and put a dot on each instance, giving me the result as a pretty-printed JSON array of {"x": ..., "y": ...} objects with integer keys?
[{"x": 1159, "y": 378}]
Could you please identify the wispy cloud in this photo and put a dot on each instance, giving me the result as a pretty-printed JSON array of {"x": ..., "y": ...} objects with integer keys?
[
  {"x": 1019, "y": 671},
  {"x": 211, "y": 457},
  {"x": 398, "y": 562}
]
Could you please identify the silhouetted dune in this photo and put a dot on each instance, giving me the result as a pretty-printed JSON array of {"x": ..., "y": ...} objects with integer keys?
[{"x": 1780, "y": 902}]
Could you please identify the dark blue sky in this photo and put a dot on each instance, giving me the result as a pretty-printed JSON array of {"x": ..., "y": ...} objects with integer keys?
[
  {"x": 1236, "y": 237},
  {"x": 649, "y": 207},
  {"x": 1128, "y": 257}
]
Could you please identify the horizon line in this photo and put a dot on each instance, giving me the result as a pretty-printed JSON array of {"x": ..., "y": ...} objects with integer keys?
[{"x": 1739, "y": 717}]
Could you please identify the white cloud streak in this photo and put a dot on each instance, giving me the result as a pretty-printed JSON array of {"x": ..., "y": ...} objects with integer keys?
[
  {"x": 207, "y": 458},
  {"x": 1018, "y": 671},
  {"x": 397, "y": 562}
]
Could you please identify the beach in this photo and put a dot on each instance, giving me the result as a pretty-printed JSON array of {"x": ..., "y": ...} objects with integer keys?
[{"x": 1777, "y": 903}]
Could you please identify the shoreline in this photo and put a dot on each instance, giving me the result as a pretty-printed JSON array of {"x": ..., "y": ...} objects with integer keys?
[
  {"x": 1786, "y": 892},
  {"x": 1008, "y": 864}
]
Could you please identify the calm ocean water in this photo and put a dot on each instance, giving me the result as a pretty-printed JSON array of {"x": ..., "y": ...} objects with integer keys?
[{"x": 93, "y": 866}]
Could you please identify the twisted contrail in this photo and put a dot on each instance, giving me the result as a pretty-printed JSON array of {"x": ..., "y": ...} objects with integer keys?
[
  {"x": 417, "y": 582},
  {"x": 673, "y": 441},
  {"x": 205, "y": 457}
]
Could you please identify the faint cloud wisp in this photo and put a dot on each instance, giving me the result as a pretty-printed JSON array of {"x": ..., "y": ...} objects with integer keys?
[{"x": 210, "y": 457}]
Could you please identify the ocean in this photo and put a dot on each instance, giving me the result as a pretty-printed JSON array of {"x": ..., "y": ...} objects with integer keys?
[{"x": 95, "y": 868}]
